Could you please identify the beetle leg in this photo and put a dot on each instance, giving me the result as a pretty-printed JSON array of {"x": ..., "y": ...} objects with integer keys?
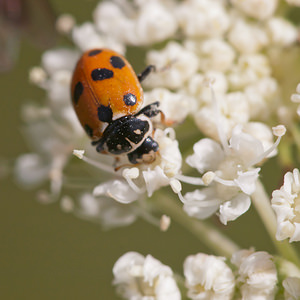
[{"x": 142, "y": 76}]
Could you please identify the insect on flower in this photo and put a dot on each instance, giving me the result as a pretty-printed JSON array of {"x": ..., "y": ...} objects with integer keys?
[{"x": 107, "y": 97}]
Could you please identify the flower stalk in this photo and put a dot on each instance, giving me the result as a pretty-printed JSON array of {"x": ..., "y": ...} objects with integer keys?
[{"x": 212, "y": 238}]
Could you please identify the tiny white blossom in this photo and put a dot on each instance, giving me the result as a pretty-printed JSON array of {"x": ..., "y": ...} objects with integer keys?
[
  {"x": 235, "y": 175},
  {"x": 259, "y": 9},
  {"x": 116, "y": 189},
  {"x": 214, "y": 54},
  {"x": 261, "y": 132},
  {"x": 208, "y": 277},
  {"x": 144, "y": 23},
  {"x": 58, "y": 65},
  {"x": 175, "y": 106},
  {"x": 234, "y": 110},
  {"x": 286, "y": 204},
  {"x": 60, "y": 59},
  {"x": 110, "y": 19},
  {"x": 86, "y": 37},
  {"x": 196, "y": 86},
  {"x": 31, "y": 169},
  {"x": 282, "y": 32},
  {"x": 249, "y": 69},
  {"x": 257, "y": 274},
  {"x": 296, "y": 98},
  {"x": 65, "y": 23},
  {"x": 144, "y": 278},
  {"x": 262, "y": 96},
  {"x": 291, "y": 288},
  {"x": 155, "y": 23},
  {"x": 108, "y": 213},
  {"x": 165, "y": 222},
  {"x": 203, "y": 18},
  {"x": 52, "y": 133},
  {"x": 174, "y": 65},
  {"x": 247, "y": 37},
  {"x": 293, "y": 2}
]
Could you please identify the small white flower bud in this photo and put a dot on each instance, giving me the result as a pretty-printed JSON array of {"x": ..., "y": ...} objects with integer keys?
[
  {"x": 293, "y": 2},
  {"x": 279, "y": 130},
  {"x": 65, "y": 23},
  {"x": 259, "y": 9},
  {"x": 67, "y": 204},
  {"x": 165, "y": 222},
  {"x": 37, "y": 75},
  {"x": 78, "y": 153},
  {"x": 175, "y": 185},
  {"x": 131, "y": 173},
  {"x": 208, "y": 177}
]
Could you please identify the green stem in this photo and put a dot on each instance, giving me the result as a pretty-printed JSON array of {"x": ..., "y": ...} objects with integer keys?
[
  {"x": 261, "y": 201},
  {"x": 207, "y": 234}
]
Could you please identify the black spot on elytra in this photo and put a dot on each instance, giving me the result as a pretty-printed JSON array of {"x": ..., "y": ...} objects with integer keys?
[
  {"x": 105, "y": 113},
  {"x": 94, "y": 52},
  {"x": 101, "y": 74},
  {"x": 77, "y": 91},
  {"x": 88, "y": 130},
  {"x": 129, "y": 99},
  {"x": 117, "y": 62}
]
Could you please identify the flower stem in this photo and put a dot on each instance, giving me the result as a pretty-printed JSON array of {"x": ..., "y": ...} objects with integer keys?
[
  {"x": 261, "y": 201},
  {"x": 207, "y": 234}
]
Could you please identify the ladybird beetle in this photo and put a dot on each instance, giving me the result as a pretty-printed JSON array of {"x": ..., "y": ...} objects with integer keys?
[{"x": 107, "y": 97}]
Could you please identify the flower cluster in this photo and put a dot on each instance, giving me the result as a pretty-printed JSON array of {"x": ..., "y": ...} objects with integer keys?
[
  {"x": 213, "y": 66},
  {"x": 248, "y": 275},
  {"x": 286, "y": 204},
  {"x": 216, "y": 79}
]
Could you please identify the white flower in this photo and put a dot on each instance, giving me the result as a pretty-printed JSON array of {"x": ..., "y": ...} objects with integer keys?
[
  {"x": 208, "y": 277},
  {"x": 174, "y": 65},
  {"x": 155, "y": 23},
  {"x": 144, "y": 278},
  {"x": 86, "y": 37},
  {"x": 116, "y": 189},
  {"x": 291, "y": 288},
  {"x": 58, "y": 65},
  {"x": 293, "y": 2},
  {"x": 262, "y": 96},
  {"x": 60, "y": 59},
  {"x": 249, "y": 69},
  {"x": 286, "y": 204},
  {"x": 256, "y": 273},
  {"x": 261, "y": 132},
  {"x": 234, "y": 175},
  {"x": 144, "y": 23},
  {"x": 247, "y": 37},
  {"x": 296, "y": 98},
  {"x": 205, "y": 18},
  {"x": 233, "y": 110},
  {"x": 175, "y": 106},
  {"x": 282, "y": 32},
  {"x": 197, "y": 87},
  {"x": 259, "y": 9},
  {"x": 65, "y": 23},
  {"x": 214, "y": 54},
  {"x": 31, "y": 170},
  {"x": 52, "y": 134},
  {"x": 109, "y": 213}
]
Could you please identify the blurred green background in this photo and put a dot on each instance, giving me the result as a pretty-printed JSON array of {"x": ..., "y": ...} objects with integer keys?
[{"x": 47, "y": 254}]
